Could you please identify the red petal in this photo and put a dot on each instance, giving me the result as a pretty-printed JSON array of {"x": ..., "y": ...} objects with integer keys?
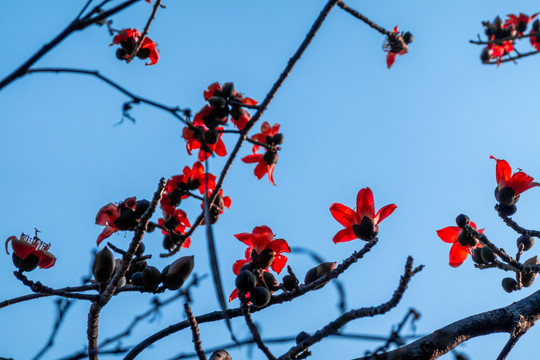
[
  {"x": 220, "y": 147},
  {"x": 521, "y": 182},
  {"x": 278, "y": 246},
  {"x": 211, "y": 89},
  {"x": 279, "y": 263},
  {"x": 233, "y": 295},
  {"x": 21, "y": 248},
  {"x": 250, "y": 159},
  {"x": 343, "y": 214},
  {"x": 107, "y": 214},
  {"x": 365, "y": 205},
  {"x": 46, "y": 259},
  {"x": 227, "y": 202},
  {"x": 203, "y": 155},
  {"x": 187, "y": 243},
  {"x": 449, "y": 234},
  {"x": 261, "y": 237},
  {"x": 261, "y": 169},
  {"x": 458, "y": 254},
  {"x": 503, "y": 172},
  {"x": 249, "y": 101},
  {"x": 245, "y": 238},
  {"x": 108, "y": 231},
  {"x": 271, "y": 174},
  {"x": 344, "y": 235},
  {"x": 384, "y": 212},
  {"x": 237, "y": 265},
  {"x": 390, "y": 59}
]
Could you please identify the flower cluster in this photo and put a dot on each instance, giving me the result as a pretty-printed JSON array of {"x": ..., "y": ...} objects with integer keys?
[
  {"x": 205, "y": 131},
  {"x": 271, "y": 138},
  {"x": 396, "y": 44},
  {"x": 120, "y": 216},
  {"x": 502, "y": 36},
  {"x": 462, "y": 242},
  {"x": 29, "y": 253},
  {"x": 128, "y": 39},
  {"x": 362, "y": 223}
]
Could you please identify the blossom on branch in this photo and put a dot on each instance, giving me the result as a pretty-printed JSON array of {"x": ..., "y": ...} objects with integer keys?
[
  {"x": 266, "y": 162},
  {"x": 461, "y": 241},
  {"x": 121, "y": 216},
  {"x": 128, "y": 39},
  {"x": 510, "y": 186},
  {"x": 220, "y": 98},
  {"x": 218, "y": 207},
  {"x": 179, "y": 186},
  {"x": 207, "y": 140},
  {"x": 361, "y": 223},
  {"x": 396, "y": 44},
  {"x": 29, "y": 253},
  {"x": 519, "y": 22}
]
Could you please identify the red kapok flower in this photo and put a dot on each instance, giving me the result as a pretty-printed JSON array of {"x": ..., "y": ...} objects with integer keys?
[
  {"x": 263, "y": 250},
  {"x": 460, "y": 248},
  {"x": 519, "y": 22},
  {"x": 192, "y": 179},
  {"x": 361, "y": 223},
  {"x": 509, "y": 185},
  {"x": 33, "y": 250},
  {"x": 195, "y": 137},
  {"x": 128, "y": 39},
  {"x": 121, "y": 216},
  {"x": 498, "y": 50},
  {"x": 266, "y": 162},
  {"x": 218, "y": 207},
  {"x": 220, "y": 97},
  {"x": 393, "y": 47}
]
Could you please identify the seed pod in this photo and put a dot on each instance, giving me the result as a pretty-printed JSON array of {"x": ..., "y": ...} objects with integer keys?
[
  {"x": 367, "y": 230},
  {"x": 507, "y": 210},
  {"x": 137, "y": 279},
  {"x": 477, "y": 256},
  {"x": 301, "y": 337},
  {"x": 462, "y": 220},
  {"x": 527, "y": 279},
  {"x": 507, "y": 196},
  {"x": 465, "y": 239},
  {"x": 264, "y": 259},
  {"x": 484, "y": 55},
  {"x": 509, "y": 284},
  {"x": 151, "y": 277},
  {"x": 260, "y": 296},
  {"x": 178, "y": 272},
  {"x": 270, "y": 282},
  {"x": 29, "y": 263},
  {"x": 270, "y": 157},
  {"x": 228, "y": 90},
  {"x": 121, "y": 54},
  {"x": 408, "y": 37},
  {"x": 488, "y": 255},
  {"x": 220, "y": 355},
  {"x": 217, "y": 102},
  {"x": 289, "y": 283},
  {"x": 104, "y": 265},
  {"x": 278, "y": 139},
  {"x": 245, "y": 281},
  {"x": 526, "y": 242},
  {"x": 247, "y": 266},
  {"x": 318, "y": 272}
]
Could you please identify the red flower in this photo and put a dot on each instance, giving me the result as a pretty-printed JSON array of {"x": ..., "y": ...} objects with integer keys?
[
  {"x": 393, "y": 47},
  {"x": 519, "y": 22},
  {"x": 267, "y": 161},
  {"x": 517, "y": 182},
  {"x": 212, "y": 141},
  {"x": 174, "y": 223},
  {"x": 191, "y": 179},
  {"x": 498, "y": 50},
  {"x": 263, "y": 249},
  {"x": 121, "y": 216},
  {"x": 362, "y": 223},
  {"x": 24, "y": 247},
  {"x": 128, "y": 39},
  {"x": 458, "y": 252}
]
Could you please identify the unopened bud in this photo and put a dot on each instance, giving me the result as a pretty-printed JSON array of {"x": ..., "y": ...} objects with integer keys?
[
  {"x": 527, "y": 279},
  {"x": 301, "y": 337},
  {"x": 104, "y": 265},
  {"x": 462, "y": 220},
  {"x": 264, "y": 259},
  {"x": 526, "y": 242},
  {"x": 228, "y": 90},
  {"x": 408, "y": 37},
  {"x": 137, "y": 279},
  {"x": 509, "y": 284},
  {"x": 217, "y": 102},
  {"x": 260, "y": 296},
  {"x": 151, "y": 277},
  {"x": 319, "y": 271},
  {"x": 220, "y": 355},
  {"x": 289, "y": 283},
  {"x": 178, "y": 272},
  {"x": 245, "y": 281},
  {"x": 488, "y": 255},
  {"x": 270, "y": 281}
]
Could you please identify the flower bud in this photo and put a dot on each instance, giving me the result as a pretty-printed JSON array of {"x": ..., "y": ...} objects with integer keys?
[
  {"x": 484, "y": 55},
  {"x": 260, "y": 296},
  {"x": 477, "y": 256},
  {"x": 121, "y": 54},
  {"x": 278, "y": 139},
  {"x": 228, "y": 90},
  {"x": 527, "y": 279},
  {"x": 270, "y": 157},
  {"x": 247, "y": 266},
  {"x": 318, "y": 272},
  {"x": 104, "y": 265},
  {"x": 264, "y": 259},
  {"x": 509, "y": 284},
  {"x": 366, "y": 230},
  {"x": 507, "y": 210},
  {"x": 211, "y": 136},
  {"x": 487, "y": 254},
  {"x": 217, "y": 102},
  {"x": 465, "y": 239},
  {"x": 462, "y": 220},
  {"x": 408, "y": 37},
  {"x": 270, "y": 281},
  {"x": 245, "y": 281},
  {"x": 506, "y": 196},
  {"x": 29, "y": 263},
  {"x": 143, "y": 53},
  {"x": 178, "y": 272},
  {"x": 301, "y": 337},
  {"x": 151, "y": 277},
  {"x": 526, "y": 242},
  {"x": 220, "y": 355},
  {"x": 137, "y": 279},
  {"x": 289, "y": 283}
]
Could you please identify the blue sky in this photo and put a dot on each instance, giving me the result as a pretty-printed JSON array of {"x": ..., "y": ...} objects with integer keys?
[{"x": 420, "y": 135}]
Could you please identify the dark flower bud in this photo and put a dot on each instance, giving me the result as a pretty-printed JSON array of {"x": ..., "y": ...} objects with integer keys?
[
  {"x": 484, "y": 55},
  {"x": 526, "y": 242},
  {"x": 104, "y": 265},
  {"x": 236, "y": 112},
  {"x": 264, "y": 259},
  {"x": 527, "y": 279},
  {"x": 228, "y": 90},
  {"x": 178, "y": 272},
  {"x": 260, "y": 296},
  {"x": 217, "y": 102},
  {"x": 151, "y": 277},
  {"x": 121, "y": 54},
  {"x": 270, "y": 157},
  {"x": 143, "y": 53},
  {"x": 408, "y": 37},
  {"x": 140, "y": 249},
  {"x": 136, "y": 267},
  {"x": 506, "y": 196},
  {"x": 245, "y": 281},
  {"x": 289, "y": 283},
  {"x": 137, "y": 279},
  {"x": 462, "y": 220},
  {"x": 497, "y": 23},
  {"x": 318, "y": 272},
  {"x": 488, "y": 255},
  {"x": 150, "y": 227},
  {"x": 220, "y": 355},
  {"x": 301, "y": 337},
  {"x": 168, "y": 242},
  {"x": 507, "y": 210},
  {"x": 509, "y": 284},
  {"x": 367, "y": 230},
  {"x": 477, "y": 256},
  {"x": 465, "y": 239},
  {"x": 248, "y": 266},
  {"x": 140, "y": 209},
  {"x": 278, "y": 139},
  {"x": 27, "y": 264},
  {"x": 269, "y": 139},
  {"x": 270, "y": 281},
  {"x": 536, "y": 26},
  {"x": 212, "y": 136}
]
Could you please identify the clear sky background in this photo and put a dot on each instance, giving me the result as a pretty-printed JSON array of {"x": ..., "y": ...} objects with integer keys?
[{"x": 420, "y": 135}]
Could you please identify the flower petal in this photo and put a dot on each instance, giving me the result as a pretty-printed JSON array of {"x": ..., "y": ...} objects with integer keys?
[
  {"x": 261, "y": 237},
  {"x": 520, "y": 182},
  {"x": 503, "y": 172},
  {"x": 344, "y": 235},
  {"x": 390, "y": 59},
  {"x": 237, "y": 265},
  {"x": 343, "y": 214},
  {"x": 250, "y": 159},
  {"x": 278, "y": 246},
  {"x": 458, "y": 254},
  {"x": 279, "y": 263},
  {"x": 365, "y": 205},
  {"x": 233, "y": 295},
  {"x": 261, "y": 169},
  {"x": 449, "y": 234},
  {"x": 245, "y": 238},
  {"x": 384, "y": 212},
  {"x": 108, "y": 231},
  {"x": 271, "y": 174}
]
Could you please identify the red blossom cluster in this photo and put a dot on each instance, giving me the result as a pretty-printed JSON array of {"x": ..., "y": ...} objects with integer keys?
[
  {"x": 120, "y": 216},
  {"x": 502, "y": 36},
  {"x": 128, "y": 39},
  {"x": 29, "y": 253},
  {"x": 271, "y": 138},
  {"x": 396, "y": 44}
]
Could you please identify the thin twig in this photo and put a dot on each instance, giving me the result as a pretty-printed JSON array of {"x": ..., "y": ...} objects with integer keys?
[
  {"x": 62, "y": 306},
  {"x": 195, "y": 332},
  {"x": 514, "y": 338},
  {"x": 157, "y": 4},
  {"x": 38, "y": 287},
  {"x": 359, "y": 16},
  {"x": 501, "y": 40},
  {"x": 514, "y": 225},
  {"x": 253, "y": 328}
]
